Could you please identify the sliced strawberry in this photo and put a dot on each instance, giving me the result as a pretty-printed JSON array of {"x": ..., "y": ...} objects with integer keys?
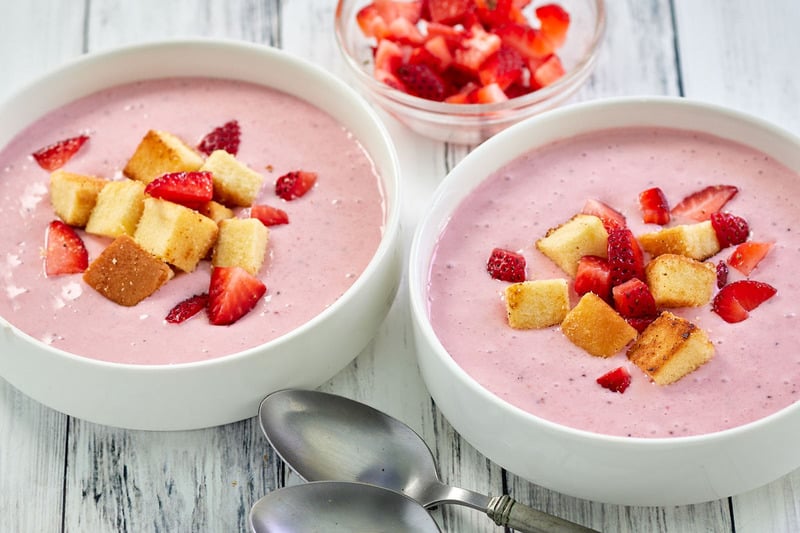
[
  {"x": 371, "y": 22},
  {"x": 504, "y": 67},
  {"x": 295, "y": 184},
  {"x": 654, "y": 207},
  {"x": 187, "y": 308},
  {"x": 226, "y": 137},
  {"x": 554, "y": 21},
  {"x": 699, "y": 205},
  {"x": 437, "y": 47},
  {"x": 593, "y": 275},
  {"x": 268, "y": 215},
  {"x": 617, "y": 380},
  {"x": 488, "y": 94},
  {"x": 56, "y": 155},
  {"x": 191, "y": 189},
  {"x": 423, "y": 81},
  {"x": 729, "y": 229},
  {"x": 722, "y": 274},
  {"x": 233, "y": 292},
  {"x": 506, "y": 265},
  {"x": 633, "y": 299},
  {"x": 389, "y": 56},
  {"x": 735, "y": 301},
  {"x": 392, "y": 10},
  {"x": 528, "y": 41},
  {"x": 402, "y": 30},
  {"x": 494, "y": 13},
  {"x": 476, "y": 48},
  {"x": 612, "y": 219},
  {"x": 448, "y": 11},
  {"x": 625, "y": 256},
  {"x": 65, "y": 252},
  {"x": 748, "y": 255},
  {"x": 548, "y": 72},
  {"x": 640, "y": 323}
]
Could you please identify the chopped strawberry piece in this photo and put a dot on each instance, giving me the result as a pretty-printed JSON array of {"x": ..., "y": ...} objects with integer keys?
[
  {"x": 625, "y": 256},
  {"x": 268, "y": 215},
  {"x": 233, "y": 292},
  {"x": 191, "y": 189},
  {"x": 466, "y": 95},
  {"x": 504, "y": 67},
  {"x": 371, "y": 22},
  {"x": 449, "y": 11},
  {"x": 488, "y": 94},
  {"x": 423, "y": 81},
  {"x": 729, "y": 229},
  {"x": 506, "y": 265},
  {"x": 699, "y": 205},
  {"x": 722, "y": 274},
  {"x": 654, "y": 207},
  {"x": 437, "y": 48},
  {"x": 735, "y": 301},
  {"x": 549, "y": 72},
  {"x": 528, "y": 41},
  {"x": 640, "y": 323},
  {"x": 633, "y": 299},
  {"x": 186, "y": 309},
  {"x": 593, "y": 275},
  {"x": 617, "y": 380},
  {"x": 748, "y": 255},
  {"x": 295, "y": 184},
  {"x": 452, "y": 35},
  {"x": 612, "y": 219},
  {"x": 402, "y": 30},
  {"x": 494, "y": 13},
  {"x": 554, "y": 21},
  {"x": 389, "y": 56},
  {"x": 476, "y": 48},
  {"x": 65, "y": 252},
  {"x": 56, "y": 155},
  {"x": 225, "y": 137},
  {"x": 391, "y": 10}
]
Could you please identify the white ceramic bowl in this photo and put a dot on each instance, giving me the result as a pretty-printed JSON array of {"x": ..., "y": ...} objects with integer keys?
[
  {"x": 229, "y": 388},
  {"x": 631, "y": 471}
]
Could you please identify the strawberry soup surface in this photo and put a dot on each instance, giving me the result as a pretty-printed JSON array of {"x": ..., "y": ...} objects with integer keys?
[
  {"x": 333, "y": 233},
  {"x": 755, "y": 371}
]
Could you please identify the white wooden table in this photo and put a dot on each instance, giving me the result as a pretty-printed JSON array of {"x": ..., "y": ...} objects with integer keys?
[{"x": 63, "y": 474}]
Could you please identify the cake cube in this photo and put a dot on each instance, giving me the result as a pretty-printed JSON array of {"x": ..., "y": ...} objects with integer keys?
[
  {"x": 174, "y": 233},
  {"x": 216, "y": 211},
  {"x": 118, "y": 208},
  {"x": 680, "y": 281},
  {"x": 537, "y": 304},
  {"x": 74, "y": 196},
  {"x": 235, "y": 184},
  {"x": 160, "y": 152},
  {"x": 670, "y": 348},
  {"x": 698, "y": 241},
  {"x": 596, "y": 327},
  {"x": 125, "y": 273},
  {"x": 242, "y": 242},
  {"x": 566, "y": 244}
]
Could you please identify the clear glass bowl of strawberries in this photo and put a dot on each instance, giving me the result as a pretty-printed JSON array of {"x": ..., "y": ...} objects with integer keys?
[{"x": 462, "y": 70}]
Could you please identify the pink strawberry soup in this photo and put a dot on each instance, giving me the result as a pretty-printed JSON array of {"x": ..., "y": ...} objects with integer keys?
[
  {"x": 334, "y": 230},
  {"x": 756, "y": 367}
]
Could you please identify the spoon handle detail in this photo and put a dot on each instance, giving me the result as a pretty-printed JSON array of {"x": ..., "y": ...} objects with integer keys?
[{"x": 505, "y": 511}]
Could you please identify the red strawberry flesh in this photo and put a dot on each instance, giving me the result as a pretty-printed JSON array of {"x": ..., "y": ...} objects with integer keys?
[
  {"x": 65, "y": 252},
  {"x": 729, "y": 229},
  {"x": 612, "y": 219},
  {"x": 617, "y": 380},
  {"x": 654, "y": 207},
  {"x": 699, "y": 205},
  {"x": 56, "y": 155},
  {"x": 295, "y": 184},
  {"x": 226, "y": 137},
  {"x": 506, "y": 265},
  {"x": 746, "y": 257},
  {"x": 633, "y": 299},
  {"x": 625, "y": 256},
  {"x": 268, "y": 215},
  {"x": 593, "y": 275},
  {"x": 187, "y": 308},
  {"x": 191, "y": 189},
  {"x": 233, "y": 292},
  {"x": 735, "y": 300}
]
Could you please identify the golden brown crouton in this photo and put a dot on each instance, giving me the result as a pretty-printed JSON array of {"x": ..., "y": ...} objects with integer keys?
[
  {"x": 216, "y": 211},
  {"x": 537, "y": 304},
  {"x": 566, "y": 244},
  {"x": 74, "y": 195},
  {"x": 594, "y": 326},
  {"x": 698, "y": 241},
  {"x": 158, "y": 153},
  {"x": 242, "y": 242},
  {"x": 679, "y": 281}
]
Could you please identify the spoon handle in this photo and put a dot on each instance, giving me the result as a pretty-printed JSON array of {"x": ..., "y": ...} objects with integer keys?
[{"x": 505, "y": 511}]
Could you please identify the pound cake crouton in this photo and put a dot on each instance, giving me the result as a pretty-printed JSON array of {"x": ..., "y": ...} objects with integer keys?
[
  {"x": 679, "y": 281},
  {"x": 158, "y": 153},
  {"x": 579, "y": 236},
  {"x": 242, "y": 242},
  {"x": 118, "y": 208},
  {"x": 216, "y": 211},
  {"x": 176, "y": 234},
  {"x": 74, "y": 196},
  {"x": 235, "y": 184},
  {"x": 125, "y": 273},
  {"x": 670, "y": 348},
  {"x": 594, "y": 326},
  {"x": 698, "y": 241},
  {"x": 537, "y": 304}
]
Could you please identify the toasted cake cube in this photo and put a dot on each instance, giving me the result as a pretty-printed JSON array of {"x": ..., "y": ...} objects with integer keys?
[
  {"x": 242, "y": 242},
  {"x": 596, "y": 327},
  {"x": 235, "y": 184},
  {"x": 698, "y": 241},
  {"x": 174, "y": 233},
  {"x": 669, "y": 348},
  {"x": 74, "y": 196},
  {"x": 125, "y": 273},
  {"x": 216, "y": 211},
  {"x": 566, "y": 244},
  {"x": 537, "y": 304},
  {"x": 160, "y": 152},
  {"x": 680, "y": 281},
  {"x": 118, "y": 208}
]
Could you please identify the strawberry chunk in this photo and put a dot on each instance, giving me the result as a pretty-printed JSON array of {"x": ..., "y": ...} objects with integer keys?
[
  {"x": 448, "y": 11},
  {"x": 528, "y": 41},
  {"x": 56, "y": 155},
  {"x": 225, "y": 137},
  {"x": 233, "y": 292},
  {"x": 295, "y": 184},
  {"x": 633, "y": 299},
  {"x": 734, "y": 301},
  {"x": 504, "y": 67},
  {"x": 423, "y": 81},
  {"x": 488, "y": 94},
  {"x": 722, "y": 274},
  {"x": 191, "y": 189},
  {"x": 593, "y": 275},
  {"x": 654, "y": 207},
  {"x": 65, "y": 252},
  {"x": 392, "y": 10},
  {"x": 699, "y": 205},
  {"x": 640, "y": 323},
  {"x": 268, "y": 215},
  {"x": 187, "y": 308},
  {"x": 730, "y": 229},
  {"x": 506, "y": 265},
  {"x": 476, "y": 48},
  {"x": 625, "y": 256},
  {"x": 748, "y": 255},
  {"x": 617, "y": 380},
  {"x": 548, "y": 72},
  {"x": 612, "y": 219},
  {"x": 554, "y": 21},
  {"x": 371, "y": 22}
]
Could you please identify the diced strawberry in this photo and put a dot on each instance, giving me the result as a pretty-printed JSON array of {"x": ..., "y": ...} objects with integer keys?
[
  {"x": 56, "y": 155},
  {"x": 625, "y": 256},
  {"x": 722, "y": 274},
  {"x": 233, "y": 292},
  {"x": 466, "y": 95},
  {"x": 371, "y": 22},
  {"x": 295, "y": 184},
  {"x": 735, "y": 301},
  {"x": 65, "y": 252},
  {"x": 452, "y": 35},
  {"x": 504, "y": 67},
  {"x": 699, "y": 205},
  {"x": 191, "y": 189},
  {"x": 617, "y": 380},
  {"x": 389, "y": 79},
  {"x": 506, "y": 265},
  {"x": 476, "y": 48},
  {"x": 391, "y": 10},
  {"x": 423, "y": 81},
  {"x": 549, "y": 72},
  {"x": 729, "y": 229},
  {"x": 488, "y": 94},
  {"x": 402, "y": 30},
  {"x": 494, "y": 13},
  {"x": 437, "y": 47},
  {"x": 268, "y": 215},
  {"x": 634, "y": 299},
  {"x": 612, "y": 219},
  {"x": 654, "y": 207},
  {"x": 186, "y": 309},
  {"x": 640, "y": 323},
  {"x": 748, "y": 255},
  {"x": 518, "y": 89},
  {"x": 389, "y": 56},
  {"x": 528, "y": 41},
  {"x": 449, "y": 11},
  {"x": 593, "y": 275},
  {"x": 226, "y": 137},
  {"x": 554, "y": 21}
]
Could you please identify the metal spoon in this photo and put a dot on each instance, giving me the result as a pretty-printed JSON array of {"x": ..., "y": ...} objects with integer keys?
[
  {"x": 323, "y": 436},
  {"x": 339, "y": 507}
]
